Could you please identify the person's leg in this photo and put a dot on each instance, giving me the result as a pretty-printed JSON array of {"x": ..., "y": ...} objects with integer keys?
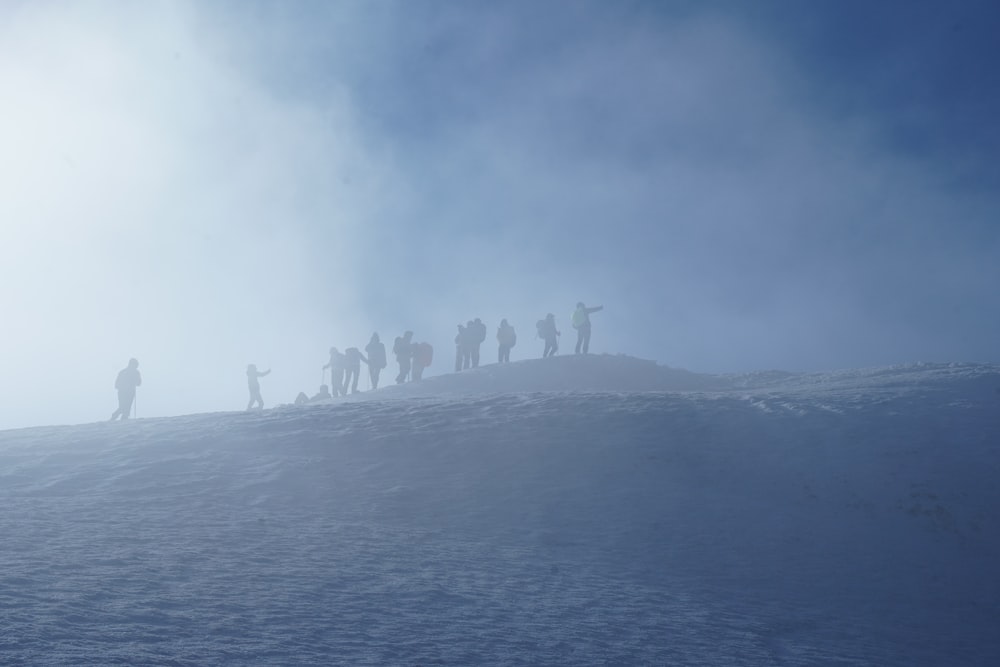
[
  {"x": 586, "y": 339},
  {"x": 458, "y": 359},
  {"x": 579, "y": 340},
  {"x": 126, "y": 405}
]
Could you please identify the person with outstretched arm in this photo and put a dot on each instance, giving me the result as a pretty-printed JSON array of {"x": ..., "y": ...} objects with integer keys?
[
  {"x": 126, "y": 383},
  {"x": 254, "y": 384},
  {"x": 352, "y": 368},
  {"x": 337, "y": 366},
  {"x": 581, "y": 322}
]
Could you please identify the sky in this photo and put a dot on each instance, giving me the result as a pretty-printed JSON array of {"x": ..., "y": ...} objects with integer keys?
[{"x": 742, "y": 186}]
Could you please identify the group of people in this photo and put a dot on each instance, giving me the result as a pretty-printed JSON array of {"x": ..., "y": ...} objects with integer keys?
[
  {"x": 548, "y": 332},
  {"x": 412, "y": 358}
]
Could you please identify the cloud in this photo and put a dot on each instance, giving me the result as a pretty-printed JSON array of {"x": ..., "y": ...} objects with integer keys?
[{"x": 206, "y": 186}]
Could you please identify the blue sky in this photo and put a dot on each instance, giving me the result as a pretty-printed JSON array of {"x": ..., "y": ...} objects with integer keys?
[{"x": 802, "y": 186}]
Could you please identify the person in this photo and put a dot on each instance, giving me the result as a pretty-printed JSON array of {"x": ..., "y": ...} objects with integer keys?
[
  {"x": 423, "y": 354},
  {"x": 352, "y": 365},
  {"x": 126, "y": 382},
  {"x": 581, "y": 322},
  {"x": 402, "y": 348},
  {"x": 323, "y": 395},
  {"x": 252, "y": 382},
  {"x": 477, "y": 335},
  {"x": 336, "y": 366},
  {"x": 548, "y": 332},
  {"x": 507, "y": 338},
  {"x": 376, "y": 359},
  {"x": 461, "y": 344}
]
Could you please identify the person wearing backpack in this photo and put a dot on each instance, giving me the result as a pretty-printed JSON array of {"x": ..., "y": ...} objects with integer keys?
[
  {"x": 402, "y": 348},
  {"x": 507, "y": 338},
  {"x": 547, "y": 331},
  {"x": 476, "y": 338},
  {"x": 581, "y": 322},
  {"x": 376, "y": 359}
]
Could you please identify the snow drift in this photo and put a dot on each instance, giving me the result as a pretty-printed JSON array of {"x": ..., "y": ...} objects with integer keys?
[{"x": 598, "y": 510}]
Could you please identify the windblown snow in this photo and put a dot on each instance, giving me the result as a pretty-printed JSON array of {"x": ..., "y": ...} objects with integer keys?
[{"x": 567, "y": 511}]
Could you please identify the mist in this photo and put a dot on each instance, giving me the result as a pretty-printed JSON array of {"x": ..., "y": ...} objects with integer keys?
[{"x": 204, "y": 186}]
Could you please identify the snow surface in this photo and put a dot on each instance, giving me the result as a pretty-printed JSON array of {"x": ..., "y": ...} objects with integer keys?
[{"x": 574, "y": 510}]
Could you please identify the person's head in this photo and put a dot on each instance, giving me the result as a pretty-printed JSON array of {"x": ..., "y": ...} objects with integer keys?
[
  {"x": 408, "y": 335},
  {"x": 470, "y": 323},
  {"x": 550, "y": 316},
  {"x": 375, "y": 337},
  {"x": 503, "y": 322},
  {"x": 333, "y": 351},
  {"x": 133, "y": 363},
  {"x": 251, "y": 368},
  {"x": 579, "y": 304},
  {"x": 478, "y": 321},
  {"x": 461, "y": 327}
]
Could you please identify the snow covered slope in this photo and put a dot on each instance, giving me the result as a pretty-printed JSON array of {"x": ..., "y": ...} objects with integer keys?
[{"x": 596, "y": 510}]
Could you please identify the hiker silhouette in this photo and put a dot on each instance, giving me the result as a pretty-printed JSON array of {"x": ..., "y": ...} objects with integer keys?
[
  {"x": 403, "y": 349},
  {"x": 126, "y": 382},
  {"x": 323, "y": 395},
  {"x": 336, "y": 365},
  {"x": 376, "y": 359},
  {"x": 548, "y": 332},
  {"x": 507, "y": 338},
  {"x": 254, "y": 385},
  {"x": 352, "y": 368},
  {"x": 476, "y": 331},
  {"x": 581, "y": 322}
]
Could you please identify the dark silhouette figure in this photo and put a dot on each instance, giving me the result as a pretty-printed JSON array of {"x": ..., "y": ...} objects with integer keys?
[
  {"x": 423, "y": 354},
  {"x": 352, "y": 366},
  {"x": 402, "y": 348},
  {"x": 468, "y": 342},
  {"x": 376, "y": 359},
  {"x": 547, "y": 331},
  {"x": 581, "y": 322},
  {"x": 507, "y": 338},
  {"x": 477, "y": 334},
  {"x": 336, "y": 365},
  {"x": 126, "y": 382},
  {"x": 323, "y": 395},
  {"x": 254, "y": 385},
  {"x": 461, "y": 345}
]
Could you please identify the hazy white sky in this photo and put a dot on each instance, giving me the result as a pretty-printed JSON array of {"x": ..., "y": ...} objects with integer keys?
[{"x": 207, "y": 185}]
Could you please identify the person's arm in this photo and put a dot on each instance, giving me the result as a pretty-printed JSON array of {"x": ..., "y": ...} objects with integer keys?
[
  {"x": 363, "y": 358},
  {"x": 138, "y": 379},
  {"x": 264, "y": 373},
  {"x": 594, "y": 309}
]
